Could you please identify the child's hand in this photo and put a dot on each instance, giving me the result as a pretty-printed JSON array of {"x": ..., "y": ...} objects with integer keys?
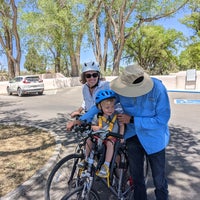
[{"x": 95, "y": 128}]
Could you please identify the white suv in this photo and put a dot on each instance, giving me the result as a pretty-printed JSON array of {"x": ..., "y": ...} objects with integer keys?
[{"x": 25, "y": 85}]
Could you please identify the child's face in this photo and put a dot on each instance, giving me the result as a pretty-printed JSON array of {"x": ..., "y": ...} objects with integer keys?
[{"x": 108, "y": 107}]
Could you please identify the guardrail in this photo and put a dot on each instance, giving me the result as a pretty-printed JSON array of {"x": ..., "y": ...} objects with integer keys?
[{"x": 172, "y": 82}]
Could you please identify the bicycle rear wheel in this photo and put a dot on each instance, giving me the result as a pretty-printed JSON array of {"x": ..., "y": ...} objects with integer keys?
[
  {"x": 63, "y": 177},
  {"x": 127, "y": 188},
  {"x": 76, "y": 195}
]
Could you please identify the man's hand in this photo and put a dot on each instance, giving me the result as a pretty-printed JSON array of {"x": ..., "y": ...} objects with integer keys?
[{"x": 123, "y": 118}]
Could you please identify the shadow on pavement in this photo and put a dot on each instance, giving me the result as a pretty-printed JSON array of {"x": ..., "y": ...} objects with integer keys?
[{"x": 183, "y": 168}]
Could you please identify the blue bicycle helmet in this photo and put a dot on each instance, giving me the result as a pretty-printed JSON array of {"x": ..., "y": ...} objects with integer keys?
[{"x": 104, "y": 94}]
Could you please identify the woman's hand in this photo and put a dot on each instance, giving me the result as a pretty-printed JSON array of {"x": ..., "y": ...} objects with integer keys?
[
  {"x": 74, "y": 114},
  {"x": 70, "y": 124}
]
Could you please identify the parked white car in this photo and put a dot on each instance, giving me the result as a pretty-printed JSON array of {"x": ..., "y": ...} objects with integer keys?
[{"x": 30, "y": 84}]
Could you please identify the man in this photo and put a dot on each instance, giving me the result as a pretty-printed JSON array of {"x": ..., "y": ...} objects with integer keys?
[{"x": 146, "y": 109}]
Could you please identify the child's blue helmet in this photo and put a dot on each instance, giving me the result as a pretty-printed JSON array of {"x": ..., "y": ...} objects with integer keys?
[{"x": 104, "y": 94}]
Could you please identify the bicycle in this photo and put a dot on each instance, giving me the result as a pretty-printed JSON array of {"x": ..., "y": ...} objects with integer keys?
[{"x": 64, "y": 184}]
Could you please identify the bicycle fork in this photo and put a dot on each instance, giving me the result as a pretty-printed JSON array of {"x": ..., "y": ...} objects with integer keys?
[
  {"x": 87, "y": 187},
  {"x": 88, "y": 176}
]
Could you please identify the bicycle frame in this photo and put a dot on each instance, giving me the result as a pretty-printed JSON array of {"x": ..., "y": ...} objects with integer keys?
[
  {"x": 116, "y": 183},
  {"x": 88, "y": 175},
  {"x": 74, "y": 179},
  {"x": 120, "y": 150}
]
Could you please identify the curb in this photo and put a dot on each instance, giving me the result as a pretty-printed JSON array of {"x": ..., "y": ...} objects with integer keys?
[
  {"x": 40, "y": 174},
  {"x": 185, "y": 91}
]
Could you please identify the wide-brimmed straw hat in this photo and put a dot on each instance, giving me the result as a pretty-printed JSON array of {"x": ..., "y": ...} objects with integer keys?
[{"x": 133, "y": 82}]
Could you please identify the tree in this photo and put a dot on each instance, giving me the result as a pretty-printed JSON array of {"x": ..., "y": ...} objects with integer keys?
[
  {"x": 121, "y": 14},
  {"x": 190, "y": 57},
  {"x": 96, "y": 39},
  {"x": 34, "y": 62},
  {"x": 154, "y": 48},
  {"x": 193, "y": 20},
  {"x": 44, "y": 32},
  {"x": 9, "y": 37},
  {"x": 61, "y": 26}
]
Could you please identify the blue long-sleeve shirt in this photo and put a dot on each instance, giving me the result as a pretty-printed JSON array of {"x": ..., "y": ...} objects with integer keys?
[{"x": 151, "y": 115}]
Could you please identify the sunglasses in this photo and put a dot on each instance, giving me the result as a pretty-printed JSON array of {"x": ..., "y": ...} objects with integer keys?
[{"x": 91, "y": 75}]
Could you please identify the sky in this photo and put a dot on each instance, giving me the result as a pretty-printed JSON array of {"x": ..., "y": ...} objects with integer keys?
[
  {"x": 175, "y": 24},
  {"x": 170, "y": 23},
  {"x": 87, "y": 55}
]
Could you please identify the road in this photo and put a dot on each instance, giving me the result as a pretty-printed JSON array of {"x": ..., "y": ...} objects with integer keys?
[{"x": 183, "y": 161}]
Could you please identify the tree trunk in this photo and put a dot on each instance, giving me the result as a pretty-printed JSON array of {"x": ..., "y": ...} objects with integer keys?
[
  {"x": 17, "y": 39},
  {"x": 117, "y": 56},
  {"x": 10, "y": 38},
  {"x": 11, "y": 71},
  {"x": 74, "y": 66},
  {"x": 57, "y": 62},
  {"x": 115, "y": 71}
]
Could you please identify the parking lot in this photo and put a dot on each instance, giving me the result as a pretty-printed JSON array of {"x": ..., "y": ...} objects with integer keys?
[{"x": 183, "y": 162}]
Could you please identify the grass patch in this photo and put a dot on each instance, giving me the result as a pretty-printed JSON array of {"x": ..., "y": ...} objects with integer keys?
[{"x": 23, "y": 151}]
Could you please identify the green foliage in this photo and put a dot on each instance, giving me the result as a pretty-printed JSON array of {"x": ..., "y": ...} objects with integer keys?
[
  {"x": 154, "y": 48},
  {"x": 190, "y": 57},
  {"x": 34, "y": 62},
  {"x": 56, "y": 30},
  {"x": 193, "y": 20},
  {"x": 46, "y": 31}
]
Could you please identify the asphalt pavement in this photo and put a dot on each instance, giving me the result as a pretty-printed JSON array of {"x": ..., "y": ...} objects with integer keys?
[{"x": 50, "y": 111}]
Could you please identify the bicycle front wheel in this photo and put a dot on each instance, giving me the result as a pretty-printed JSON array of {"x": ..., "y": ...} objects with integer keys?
[
  {"x": 77, "y": 195},
  {"x": 63, "y": 177}
]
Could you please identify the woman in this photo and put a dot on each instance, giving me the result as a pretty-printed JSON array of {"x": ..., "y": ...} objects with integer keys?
[{"x": 92, "y": 84}]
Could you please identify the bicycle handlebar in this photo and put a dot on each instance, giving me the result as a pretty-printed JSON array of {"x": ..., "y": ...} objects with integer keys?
[
  {"x": 86, "y": 130},
  {"x": 116, "y": 135}
]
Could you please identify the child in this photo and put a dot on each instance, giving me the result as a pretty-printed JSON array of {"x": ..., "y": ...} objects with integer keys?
[{"x": 107, "y": 120}]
